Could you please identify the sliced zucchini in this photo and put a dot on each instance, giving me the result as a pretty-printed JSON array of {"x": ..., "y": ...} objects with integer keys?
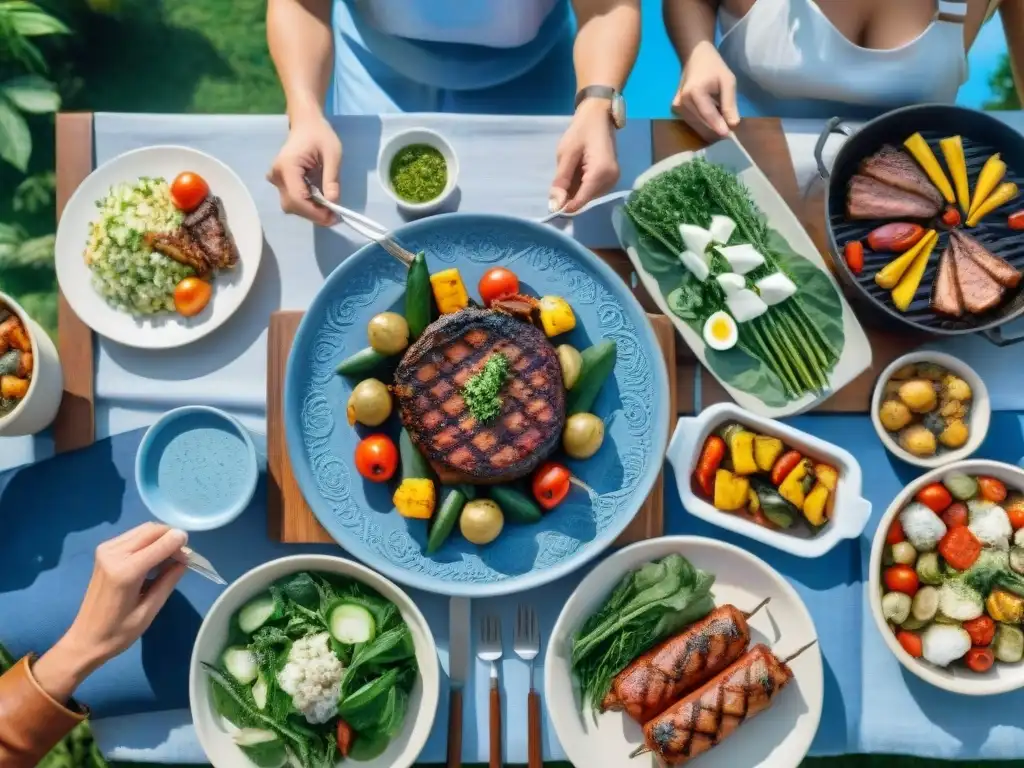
[
  {"x": 259, "y": 692},
  {"x": 265, "y": 748},
  {"x": 256, "y": 613},
  {"x": 351, "y": 623},
  {"x": 240, "y": 663}
]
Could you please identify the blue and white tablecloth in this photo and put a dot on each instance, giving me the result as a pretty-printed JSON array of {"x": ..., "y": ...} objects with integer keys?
[{"x": 140, "y": 700}]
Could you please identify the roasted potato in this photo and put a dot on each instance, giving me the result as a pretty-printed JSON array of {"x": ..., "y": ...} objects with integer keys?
[
  {"x": 919, "y": 395},
  {"x": 955, "y": 434},
  {"x": 955, "y": 388},
  {"x": 918, "y": 440},
  {"x": 894, "y": 415}
]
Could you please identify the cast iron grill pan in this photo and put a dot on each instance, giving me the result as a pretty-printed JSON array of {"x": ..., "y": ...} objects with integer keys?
[{"x": 993, "y": 231}]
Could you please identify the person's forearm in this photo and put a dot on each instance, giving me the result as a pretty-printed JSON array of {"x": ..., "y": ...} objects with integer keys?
[
  {"x": 607, "y": 41},
  {"x": 689, "y": 23},
  {"x": 63, "y": 668},
  {"x": 302, "y": 47},
  {"x": 1012, "y": 13}
]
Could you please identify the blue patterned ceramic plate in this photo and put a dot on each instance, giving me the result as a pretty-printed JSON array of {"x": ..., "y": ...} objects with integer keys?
[{"x": 360, "y": 515}]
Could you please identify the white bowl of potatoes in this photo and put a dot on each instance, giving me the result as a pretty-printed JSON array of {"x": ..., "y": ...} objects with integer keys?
[{"x": 930, "y": 409}]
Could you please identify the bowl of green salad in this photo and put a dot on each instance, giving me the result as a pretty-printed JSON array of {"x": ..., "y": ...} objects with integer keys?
[
  {"x": 312, "y": 660},
  {"x": 419, "y": 170}
]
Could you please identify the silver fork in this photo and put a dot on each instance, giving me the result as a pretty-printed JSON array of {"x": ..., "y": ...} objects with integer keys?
[
  {"x": 489, "y": 651},
  {"x": 366, "y": 227},
  {"x": 527, "y": 646}
]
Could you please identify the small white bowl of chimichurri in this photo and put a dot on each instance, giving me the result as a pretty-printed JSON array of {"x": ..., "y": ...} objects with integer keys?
[{"x": 419, "y": 170}]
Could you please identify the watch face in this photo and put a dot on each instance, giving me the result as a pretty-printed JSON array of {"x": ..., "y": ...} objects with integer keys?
[{"x": 618, "y": 111}]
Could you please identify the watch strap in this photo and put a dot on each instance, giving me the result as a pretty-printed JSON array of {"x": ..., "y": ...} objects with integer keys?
[{"x": 595, "y": 92}]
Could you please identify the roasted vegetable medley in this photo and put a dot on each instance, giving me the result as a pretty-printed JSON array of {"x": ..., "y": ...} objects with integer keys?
[
  {"x": 760, "y": 478},
  {"x": 16, "y": 361},
  {"x": 928, "y": 408},
  {"x": 953, "y": 573}
]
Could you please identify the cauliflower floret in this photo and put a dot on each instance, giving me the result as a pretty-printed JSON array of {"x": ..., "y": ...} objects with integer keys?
[
  {"x": 990, "y": 523},
  {"x": 922, "y": 526},
  {"x": 312, "y": 677}
]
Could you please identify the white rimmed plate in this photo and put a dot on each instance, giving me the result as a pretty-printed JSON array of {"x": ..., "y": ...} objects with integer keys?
[
  {"x": 168, "y": 329},
  {"x": 777, "y": 738}
]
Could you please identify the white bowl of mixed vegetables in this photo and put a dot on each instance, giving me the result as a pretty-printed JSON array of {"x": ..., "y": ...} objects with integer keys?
[
  {"x": 947, "y": 577},
  {"x": 313, "y": 661}
]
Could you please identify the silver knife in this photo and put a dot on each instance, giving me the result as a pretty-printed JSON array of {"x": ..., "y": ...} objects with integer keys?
[
  {"x": 196, "y": 562},
  {"x": 458, "y": 673}
]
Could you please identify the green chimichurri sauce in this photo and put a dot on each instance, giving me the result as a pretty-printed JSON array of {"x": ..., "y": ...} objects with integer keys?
[{"x": 418, "y": 173}]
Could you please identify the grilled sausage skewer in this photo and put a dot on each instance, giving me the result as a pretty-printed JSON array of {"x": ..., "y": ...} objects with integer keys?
[
  {"x": 701, "y": 720},
  {"x": 658, "y": 678}
]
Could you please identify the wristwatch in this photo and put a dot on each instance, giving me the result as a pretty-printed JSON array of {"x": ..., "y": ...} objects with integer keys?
[{"x": 617, "y": 105}]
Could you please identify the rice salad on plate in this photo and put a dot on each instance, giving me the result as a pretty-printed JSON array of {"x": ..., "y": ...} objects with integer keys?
[{"x": 126, "y": 271}]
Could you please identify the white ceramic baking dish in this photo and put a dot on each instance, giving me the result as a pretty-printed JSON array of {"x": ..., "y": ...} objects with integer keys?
[{"x": 850, "y": 512}]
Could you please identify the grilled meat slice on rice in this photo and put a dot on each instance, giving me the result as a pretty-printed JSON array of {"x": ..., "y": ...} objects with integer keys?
[
  {"x": 869, "y": 198},
  {"x": 1004, "y": 272},
  {"x": 179, "y": 246},
  {"x": 208, "y": 228},
  {"x": 428, "y": 387},
  {"x": 896, "y": 168},
  {"x": 946, "y": 297},
  {"x": 979, "y": 290}
]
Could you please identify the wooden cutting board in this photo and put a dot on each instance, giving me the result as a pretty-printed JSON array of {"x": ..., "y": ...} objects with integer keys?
[{"x": 290, "y": 519}]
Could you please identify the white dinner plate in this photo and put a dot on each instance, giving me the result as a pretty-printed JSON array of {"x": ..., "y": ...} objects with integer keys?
[
  {"x": 777, "y": 738},
  {"x": 168, "y": 329}
]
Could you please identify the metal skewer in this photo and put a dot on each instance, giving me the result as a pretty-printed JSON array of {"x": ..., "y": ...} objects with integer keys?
[{"x": 757, "y": 608}]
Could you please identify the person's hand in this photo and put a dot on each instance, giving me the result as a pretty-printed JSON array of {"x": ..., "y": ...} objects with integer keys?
[
  {"x": 119, "y": 605},
  {"x": 311, "y": 145},
  {"x": 586, "y": 162},
  {"x": 706, "y": 99}
]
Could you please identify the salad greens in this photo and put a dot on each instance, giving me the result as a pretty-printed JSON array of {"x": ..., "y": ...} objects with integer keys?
[
  {"x": 781, "y": 355},
  {"x": 649, "y": 605},
  {"x": 319, "y": 666}
]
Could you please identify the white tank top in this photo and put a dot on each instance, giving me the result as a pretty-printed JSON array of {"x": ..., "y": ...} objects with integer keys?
[
  {"x": 791, "y": 61},
  {"x": 491, "y": 23}
]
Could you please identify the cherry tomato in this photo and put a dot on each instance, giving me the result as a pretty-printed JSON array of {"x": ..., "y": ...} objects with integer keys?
[
  {"x": 1014, "y": 510},
  {"x": 710, "y": 460},
  {"x": 345, "y": 734},
  {"x": 376, "y": 458},
  {"x": 901, "y": 578},
  {"x": 982, "y": 630},
  {"x": 980, "y": 659},
  {"x": 191, "y": 296},
  {"x": 188, "y": 190},
  {"x": 951, "y": 216},
  {"x": 991, "y": 489},
  {"x": 1016, "y": 220},
  {"x": 551, "y": 484},
  {"x": 911, "y": 643},
  {"x": 854, "y": 253},
  {"x": 497, "y": 283},
  {"x": 935, "y": 497},
  {"x": 955, "y": 515},
  {"x": 960, "y": 548},
  {"x": 895, "y": 534}
]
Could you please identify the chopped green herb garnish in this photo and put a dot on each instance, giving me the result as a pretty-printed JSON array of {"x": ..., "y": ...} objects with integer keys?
[
  {"x": 418, "y": 173},
  {"x": 481, "y": 392}
]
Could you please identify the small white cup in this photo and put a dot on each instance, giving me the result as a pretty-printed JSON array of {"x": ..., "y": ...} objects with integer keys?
[
  {"x": 407, "y": 138},
  {"x": 39, "y": 407}
]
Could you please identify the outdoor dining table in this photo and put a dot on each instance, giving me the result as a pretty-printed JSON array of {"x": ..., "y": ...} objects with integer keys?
[{"x": 55, "y": 510}]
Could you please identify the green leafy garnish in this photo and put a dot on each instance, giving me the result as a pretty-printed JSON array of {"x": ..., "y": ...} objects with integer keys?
[
  {"x": 789, "y": 350},
  {"x": 481, "y": 392},
  {"x": 647, "y": 606}
]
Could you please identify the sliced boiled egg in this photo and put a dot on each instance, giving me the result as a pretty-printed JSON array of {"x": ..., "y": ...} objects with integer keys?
[{"x": 720, "y": 331}]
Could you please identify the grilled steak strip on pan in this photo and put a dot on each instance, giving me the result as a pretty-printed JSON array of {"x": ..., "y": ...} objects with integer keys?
[
  {"x": 946, "y": 289},
  {"x": 656, "y": 680},
  {"x": 713, "y": 712},
  {"x": 1004, "y": 272},
  {"x": 428, "y": 386},
  {"x": 868, "y": 198},
  {"x": 896, "y": 168},
  {"x": 979, "y": 290}
]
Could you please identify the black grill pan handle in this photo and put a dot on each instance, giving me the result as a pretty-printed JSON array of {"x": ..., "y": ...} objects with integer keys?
[
  {"x": 834, "y": 125},
  {"x": 997, "y": 337}
]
